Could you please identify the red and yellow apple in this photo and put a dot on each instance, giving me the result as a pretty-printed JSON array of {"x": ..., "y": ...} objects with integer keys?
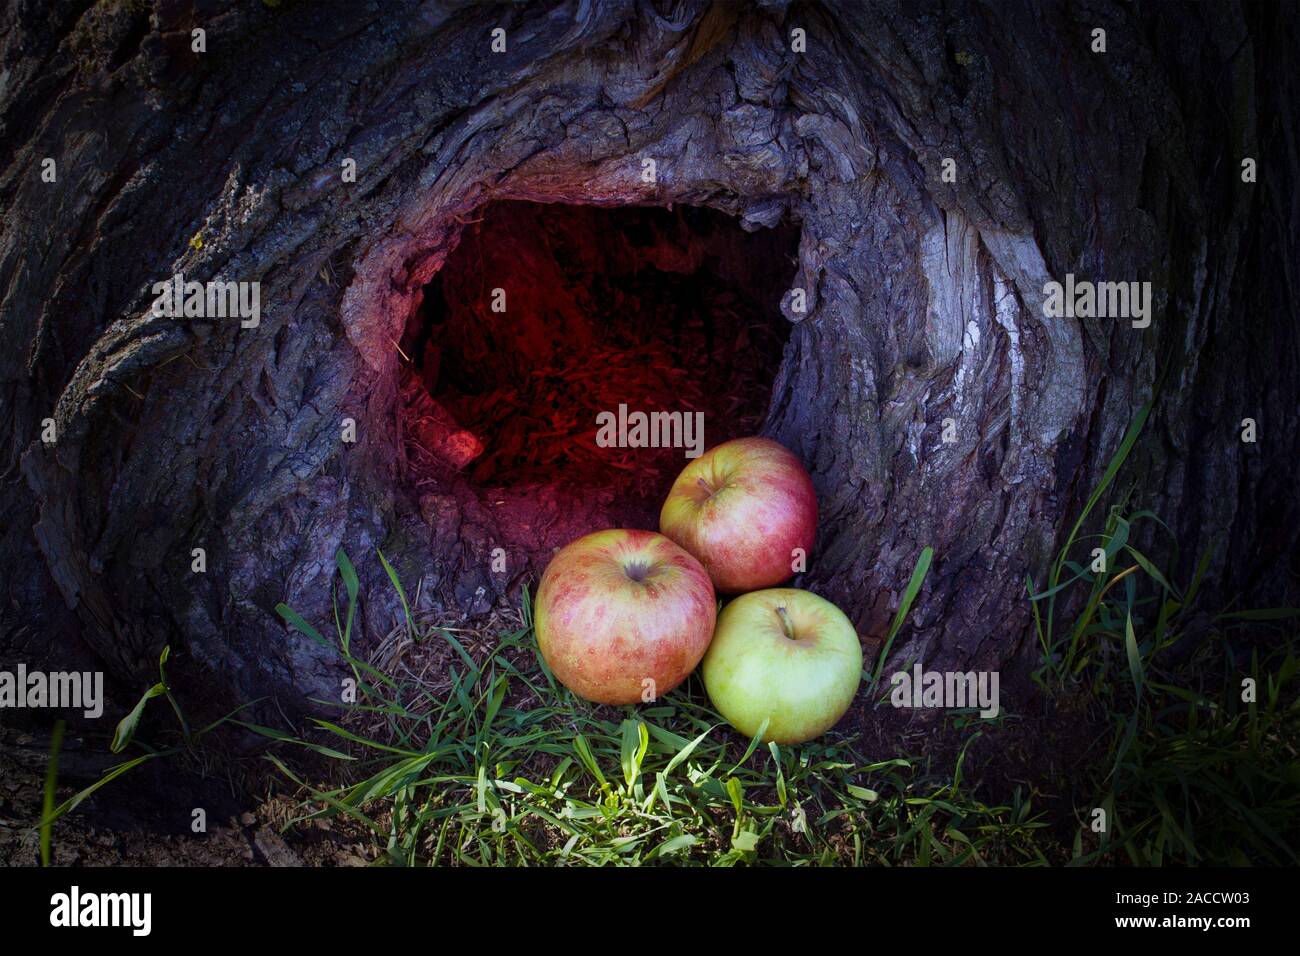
[
  {"x": 742, "y": 508},
  {"x": 623, "y": 616},
  {"x": 785, "y": 656}
]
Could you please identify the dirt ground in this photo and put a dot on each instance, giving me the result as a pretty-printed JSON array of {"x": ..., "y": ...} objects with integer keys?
[{"x": 152, "y": 826}]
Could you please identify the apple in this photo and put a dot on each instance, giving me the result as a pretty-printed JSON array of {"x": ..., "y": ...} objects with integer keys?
[
  {"x": 742, "y": 508},
  {"x": 786, "y": 656},
  {"x": 623, "y": 616}
]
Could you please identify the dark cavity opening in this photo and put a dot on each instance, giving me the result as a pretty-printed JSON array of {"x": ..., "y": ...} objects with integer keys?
[{"x": 658, "y": 310}]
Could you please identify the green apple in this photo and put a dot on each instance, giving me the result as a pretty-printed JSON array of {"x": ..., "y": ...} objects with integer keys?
[{"x": 786, "y": 656}]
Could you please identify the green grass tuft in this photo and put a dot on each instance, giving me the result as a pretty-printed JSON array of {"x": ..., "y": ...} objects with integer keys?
[{"x": 506, "y": 767}]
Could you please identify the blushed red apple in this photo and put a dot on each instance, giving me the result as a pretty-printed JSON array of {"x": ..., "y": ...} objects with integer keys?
[
  {"x": 742, "y": 508},
  {"x": 622, "y": 612}
]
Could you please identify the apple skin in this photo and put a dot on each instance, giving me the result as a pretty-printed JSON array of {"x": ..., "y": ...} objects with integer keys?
[
  {"x": 753, "y": 670},
  {"x": 617, "y": 607},
  {"x": 742, "y": 508}
]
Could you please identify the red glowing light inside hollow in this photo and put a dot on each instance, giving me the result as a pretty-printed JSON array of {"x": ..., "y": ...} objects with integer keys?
[{"x": 653, "y": 309}]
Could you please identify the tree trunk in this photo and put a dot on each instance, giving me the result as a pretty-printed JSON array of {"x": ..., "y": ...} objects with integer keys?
[{"x": 934, "y": 400}]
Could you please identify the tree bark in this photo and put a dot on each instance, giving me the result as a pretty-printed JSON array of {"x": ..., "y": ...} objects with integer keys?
[{"x": 924, "y": 296}]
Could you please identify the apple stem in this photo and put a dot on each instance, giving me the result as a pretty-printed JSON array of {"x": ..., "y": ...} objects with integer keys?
[
  {"x": 786, "y": 622},
  {"x": 705, "y": 485}
]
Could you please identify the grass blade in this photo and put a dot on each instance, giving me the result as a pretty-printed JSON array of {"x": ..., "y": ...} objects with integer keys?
[{"x": 909, "y": 595}]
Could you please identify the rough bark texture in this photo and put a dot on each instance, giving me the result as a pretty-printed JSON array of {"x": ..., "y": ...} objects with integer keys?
[{"x": 924, "y": 297}]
